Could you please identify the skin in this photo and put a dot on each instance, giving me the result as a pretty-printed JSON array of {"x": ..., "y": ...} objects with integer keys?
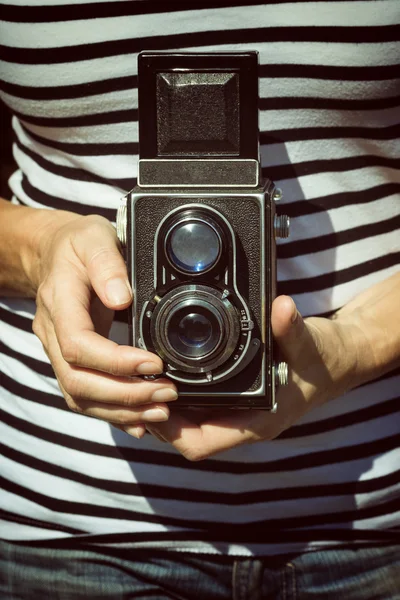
[{"x": 73, "y": 267}]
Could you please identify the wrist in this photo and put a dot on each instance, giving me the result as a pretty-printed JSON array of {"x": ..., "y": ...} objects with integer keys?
[
  {"x": 24, "y": 234},
  {"x": 34, "y": 254},
  {"x": 337, "y": 345},
  {"x": 361, "y": 348}
]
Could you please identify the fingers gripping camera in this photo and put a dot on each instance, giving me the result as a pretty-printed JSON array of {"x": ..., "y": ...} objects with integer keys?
[{"x": 199, "y": 231}]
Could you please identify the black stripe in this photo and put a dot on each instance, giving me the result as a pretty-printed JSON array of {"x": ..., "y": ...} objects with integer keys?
[
  {"x": 18, "y": 321},
  {"x": 24, "y": 391},
  {"x": 90, "y": 510},
  {"x": 317, "y": 103},
  {"x": 307, "y": 285},
  {"x": 103, "y": 10},
  {"x": 66, "y": 92},
  {"x": 108, "y": 512},
  {"x": 121, "y": 542},
  {"x": 104, "y": 118},
  {"x": 196, "y": 496},
  {"x": 327, "y": 34},
  {"x": 329, "y": 72},
  {"x": 336, "y": 239},
  {"x": 105, "y": 86},
  {"x": 331, "y": 165},
  {"x": 328, "y": 133},
  {"x": 284, "y": 103},
  {"x": 311, "y": 206},
  {"x": 32, "y": 363},
  {"x": 266, "y": 138},
  {"x": 136, "y": 455},
  {"x": 362, "y": 415},
  {"x": 6, "y": 515},
  {"x": 62, "y": 204}
]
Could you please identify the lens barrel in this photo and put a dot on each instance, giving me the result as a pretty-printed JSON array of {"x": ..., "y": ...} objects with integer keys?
[{"x": 195, "y": 328}]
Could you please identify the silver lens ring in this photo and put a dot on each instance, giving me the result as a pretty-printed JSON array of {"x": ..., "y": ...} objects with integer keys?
[{"x": 215, "y": 336}]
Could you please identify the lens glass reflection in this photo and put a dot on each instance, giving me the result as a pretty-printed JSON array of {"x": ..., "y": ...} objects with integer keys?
[
  {"x": 194, "y": 331},
  {"x": 193, "y": 246}
]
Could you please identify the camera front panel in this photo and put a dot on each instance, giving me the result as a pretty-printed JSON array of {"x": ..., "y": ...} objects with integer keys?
[{"x": 203, "y": 275}]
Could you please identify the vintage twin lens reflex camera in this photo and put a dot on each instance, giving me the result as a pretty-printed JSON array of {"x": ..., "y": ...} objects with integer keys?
[{"x": 199, "y": 230}]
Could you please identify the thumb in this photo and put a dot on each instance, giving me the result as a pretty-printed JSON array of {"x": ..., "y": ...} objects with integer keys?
[
  {"x": 288, "y": 327},
  {"x": 98, "y": 248}
]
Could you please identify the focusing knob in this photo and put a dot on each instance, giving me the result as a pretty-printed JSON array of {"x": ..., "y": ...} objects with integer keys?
[
  {"x": 281, "y": 374},
  {"x": 281, "y": 226},
  {"x": 122, "y": 223}
]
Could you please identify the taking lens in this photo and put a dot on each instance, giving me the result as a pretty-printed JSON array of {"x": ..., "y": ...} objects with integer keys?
[
  {"x": 194, "y": 327},
  {"x": 193, "y": 246},
  {"x": 194, "y": 331}
]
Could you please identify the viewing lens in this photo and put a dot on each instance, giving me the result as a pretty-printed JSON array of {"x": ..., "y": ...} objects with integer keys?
[
  {"x": 194, "y": 334},
  {"x": 193, "y": 246}
]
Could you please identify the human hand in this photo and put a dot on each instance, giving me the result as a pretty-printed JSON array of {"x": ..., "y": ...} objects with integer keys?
[
  {"x": 321, "y": 363},
  {"x": 80, "y": 280}
]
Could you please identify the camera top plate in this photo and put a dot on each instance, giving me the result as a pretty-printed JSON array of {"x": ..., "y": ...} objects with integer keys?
[{"x": 202, "y": 106}]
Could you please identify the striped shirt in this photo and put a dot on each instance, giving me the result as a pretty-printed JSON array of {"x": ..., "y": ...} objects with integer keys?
[{"x": 329, "y": 121}]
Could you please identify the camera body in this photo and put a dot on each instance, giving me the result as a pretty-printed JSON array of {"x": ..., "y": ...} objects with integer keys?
[{"x": 199, "y": 231}]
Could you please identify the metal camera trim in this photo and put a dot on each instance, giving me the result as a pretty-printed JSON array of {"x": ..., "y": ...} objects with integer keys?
[
  {"x": 251, "y": 162},
  {"x": 187, "y": 219}
]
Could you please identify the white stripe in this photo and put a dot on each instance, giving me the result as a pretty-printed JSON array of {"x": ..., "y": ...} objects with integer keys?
[
  {"x": 308, "y": 150},
  {"x": 86, "y": 105},
  {"x": 312, "y": 14},
  {"x": 125, "y": 132},
  {"x": 320, "y": 53}
]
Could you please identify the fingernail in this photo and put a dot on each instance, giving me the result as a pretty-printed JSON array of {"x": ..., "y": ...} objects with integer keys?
[
  {"x": 149, "y": 368},
  {"x": 164, "y": 395},
  {"x": 137, "y": 432},
  {"x": 155, "y": 415},
  {"x": 118, "y": 292}
]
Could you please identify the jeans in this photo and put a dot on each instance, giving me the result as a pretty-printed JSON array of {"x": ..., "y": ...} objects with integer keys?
[{"x": 38, "y": 573}]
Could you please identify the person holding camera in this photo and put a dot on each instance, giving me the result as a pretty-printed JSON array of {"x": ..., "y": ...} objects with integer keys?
[{"x": 206, "y": 504}]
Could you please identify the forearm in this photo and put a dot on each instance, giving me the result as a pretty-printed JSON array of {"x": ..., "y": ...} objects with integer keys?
[
  {"x": 22, "y": 232},
  {"x": 373, "y": 324}
]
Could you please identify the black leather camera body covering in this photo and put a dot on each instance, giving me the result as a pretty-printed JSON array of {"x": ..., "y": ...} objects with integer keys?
[{"x": 199, "y": 231}]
